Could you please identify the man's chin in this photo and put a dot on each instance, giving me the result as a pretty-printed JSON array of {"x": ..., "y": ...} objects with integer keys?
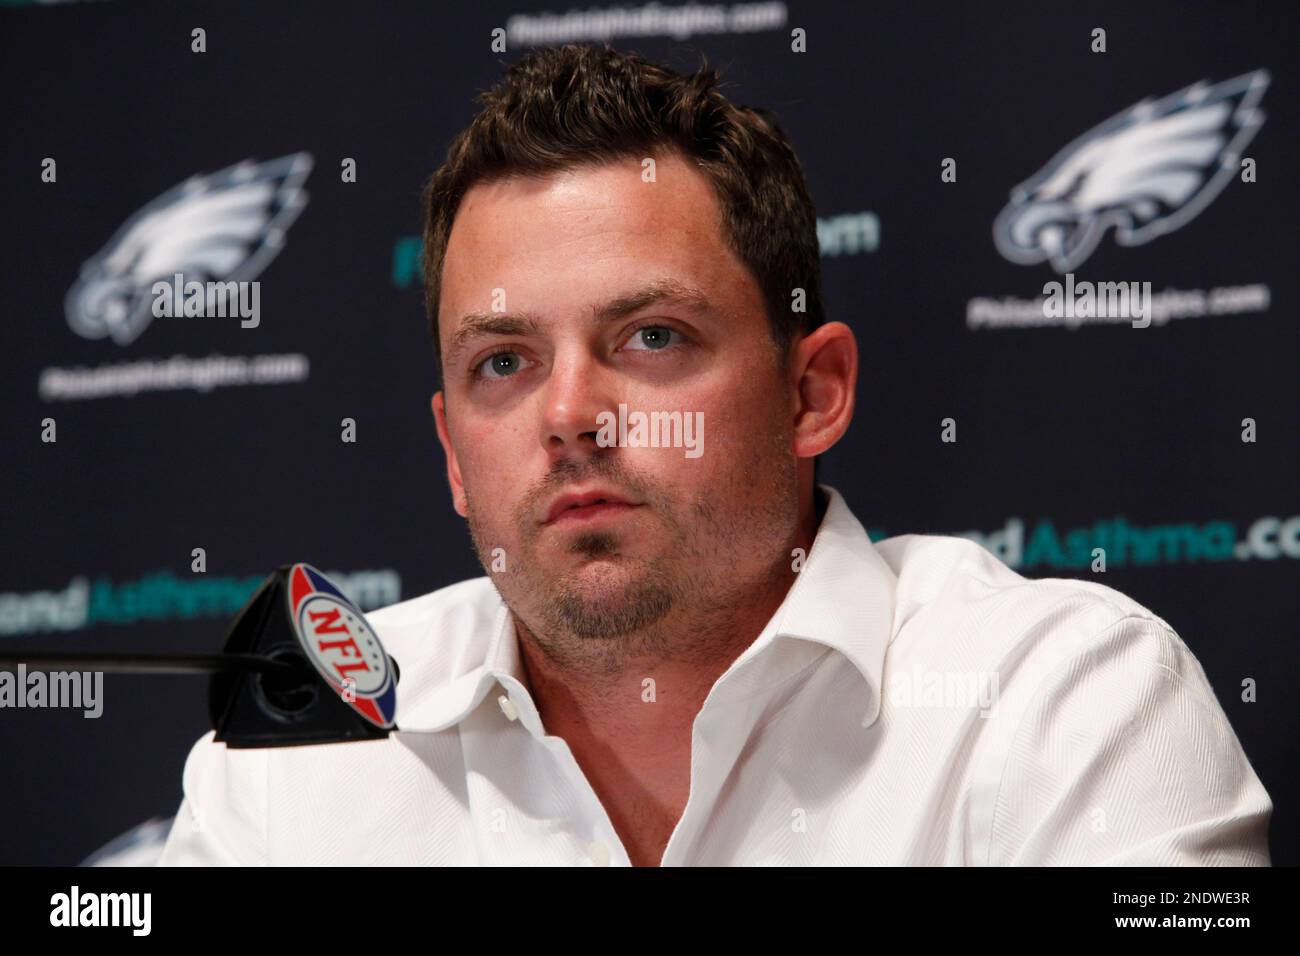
[
  {"x": 608, "y": 597},
  {"x": 606, "y": 576},
  {"x": 586, "y": 618}
]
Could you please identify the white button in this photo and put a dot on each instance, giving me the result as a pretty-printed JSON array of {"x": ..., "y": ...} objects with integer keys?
[
  {"x": 507, "y": 707},
  {"x": 599, "y": 853}
]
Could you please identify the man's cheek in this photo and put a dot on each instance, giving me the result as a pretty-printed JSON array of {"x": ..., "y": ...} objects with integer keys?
[{"x": 479, "y": 468}]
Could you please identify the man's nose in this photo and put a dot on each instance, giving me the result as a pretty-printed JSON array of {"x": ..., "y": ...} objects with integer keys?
[{"x": 578, "y": 389}]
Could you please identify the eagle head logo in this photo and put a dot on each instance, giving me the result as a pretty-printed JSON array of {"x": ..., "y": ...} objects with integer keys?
[
  {"x": 227, "y": 225},
  {"x": 1146, "y": 171}
]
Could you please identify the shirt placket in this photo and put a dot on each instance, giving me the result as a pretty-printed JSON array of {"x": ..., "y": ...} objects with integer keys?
[{"x": 593, "y": 837}]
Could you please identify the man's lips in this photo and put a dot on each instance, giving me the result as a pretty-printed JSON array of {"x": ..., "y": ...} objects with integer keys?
[{"x": 587, "y": 505}]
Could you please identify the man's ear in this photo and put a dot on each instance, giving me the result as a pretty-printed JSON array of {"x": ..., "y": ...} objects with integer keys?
[
  {"x": 453, "y": 466},
  {"x": 825, "y": 371}
]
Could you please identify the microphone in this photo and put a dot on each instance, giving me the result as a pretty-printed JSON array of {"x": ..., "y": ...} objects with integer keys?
[{"x": 300, "y": 665}]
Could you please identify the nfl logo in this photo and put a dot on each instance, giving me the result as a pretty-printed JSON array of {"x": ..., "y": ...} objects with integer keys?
[{"x": 340, "y": 644}]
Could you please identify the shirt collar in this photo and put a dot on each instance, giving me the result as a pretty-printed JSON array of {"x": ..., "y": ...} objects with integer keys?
[
  {"x": 447, "y": 704},
  {"x": 843, "y": 597}
]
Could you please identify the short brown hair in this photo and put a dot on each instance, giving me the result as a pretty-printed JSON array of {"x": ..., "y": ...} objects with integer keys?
[{"x": 574, "y": 105}]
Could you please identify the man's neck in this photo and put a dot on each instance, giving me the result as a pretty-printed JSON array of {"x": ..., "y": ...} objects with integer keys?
[{"x": 631, "y": 734}]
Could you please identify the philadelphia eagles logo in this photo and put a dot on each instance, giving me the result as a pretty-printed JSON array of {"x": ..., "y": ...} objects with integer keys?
[
  {"x": 225, "y": 226},
  {"x": 1146, "y": 171}
]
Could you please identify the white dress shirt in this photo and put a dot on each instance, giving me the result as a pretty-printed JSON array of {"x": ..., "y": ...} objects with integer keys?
[{"x": 912, "y": 701}]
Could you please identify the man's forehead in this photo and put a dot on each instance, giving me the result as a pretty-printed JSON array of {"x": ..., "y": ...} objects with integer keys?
[{"x": 674, "y": 244}]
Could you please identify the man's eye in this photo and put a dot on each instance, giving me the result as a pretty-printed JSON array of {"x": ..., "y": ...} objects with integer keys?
[
  {"x": 651, "y": 338},
  {"x": 498, "y": 365}
]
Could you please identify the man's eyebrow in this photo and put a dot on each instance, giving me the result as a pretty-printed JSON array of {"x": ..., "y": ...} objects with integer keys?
[
  {"x": 475, "y": 325},
  {"x": 668, "y": 291}
]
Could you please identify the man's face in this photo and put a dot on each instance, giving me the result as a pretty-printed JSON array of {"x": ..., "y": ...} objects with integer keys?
[{"x": 562, "y": 298}]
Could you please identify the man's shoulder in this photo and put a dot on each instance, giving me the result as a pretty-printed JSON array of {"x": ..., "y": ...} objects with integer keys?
[
  {"x": 958, "y": 584},
  {"x": 1090, "y": 708}
]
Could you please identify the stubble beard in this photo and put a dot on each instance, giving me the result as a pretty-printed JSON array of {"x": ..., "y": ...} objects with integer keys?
[{"x": 613, "y": 608}]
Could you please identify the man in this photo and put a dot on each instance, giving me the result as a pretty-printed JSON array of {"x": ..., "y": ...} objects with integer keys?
[{"x": 683, "y": 658}]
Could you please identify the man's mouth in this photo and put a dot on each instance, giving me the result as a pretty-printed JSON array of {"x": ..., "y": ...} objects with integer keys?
[{"x": 589, "y": 506}]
